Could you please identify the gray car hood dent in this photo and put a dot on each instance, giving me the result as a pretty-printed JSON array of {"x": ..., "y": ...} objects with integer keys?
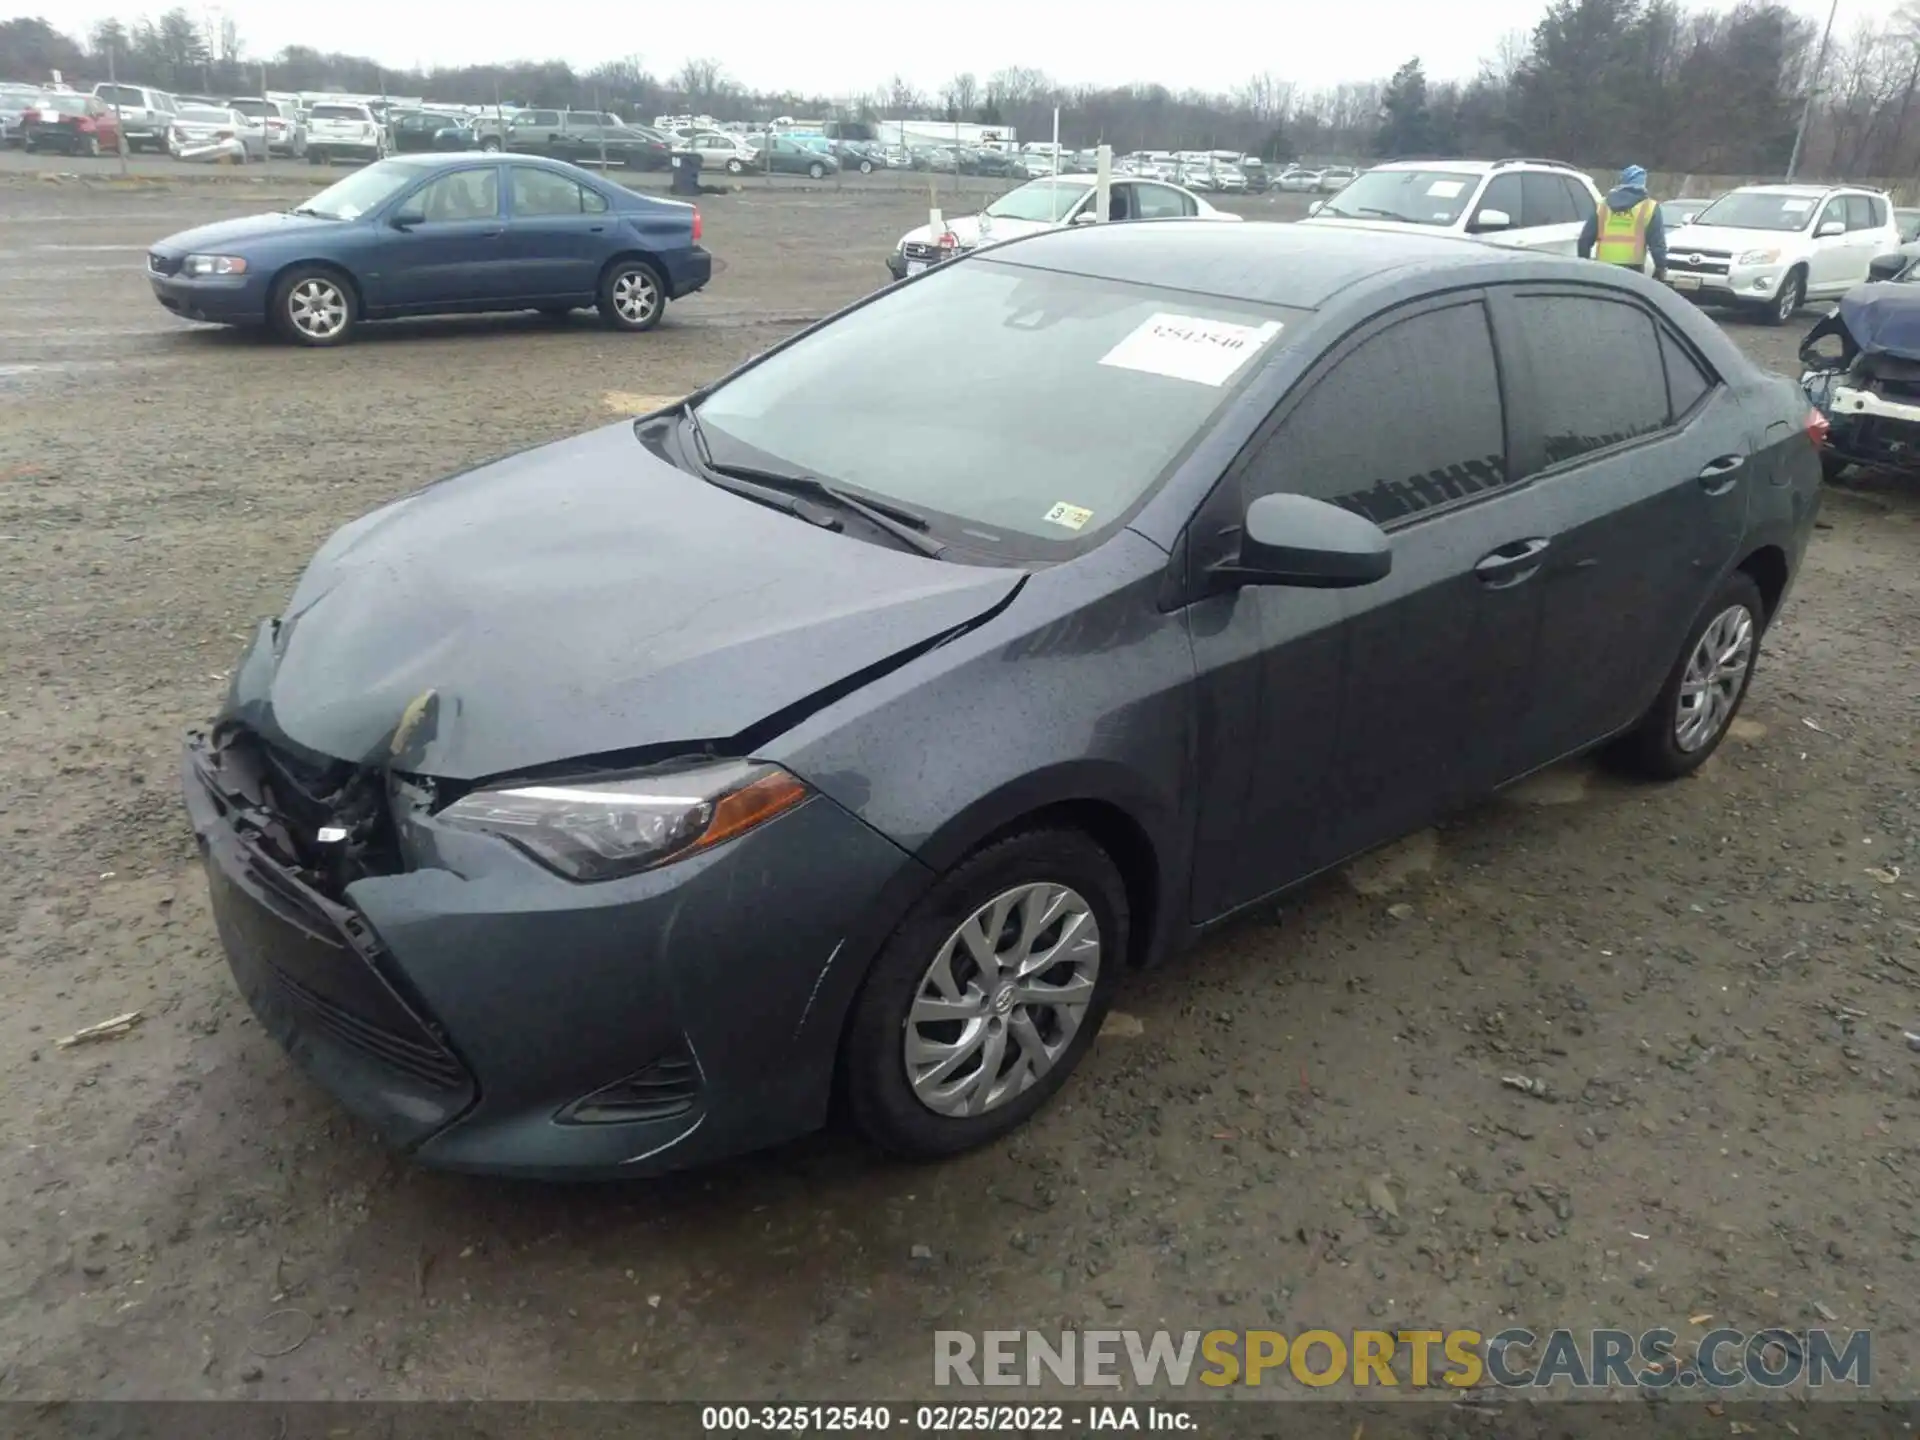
[{"x": 580, "y": 599}]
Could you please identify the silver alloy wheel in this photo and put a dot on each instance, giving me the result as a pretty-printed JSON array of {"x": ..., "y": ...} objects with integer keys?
[
  {"x": 1002, "y": 1000},
  {"x": 636, "y": 297},
  {"x": 317, "y": 308},
  {"x": 1788, "y": 300},
  {"x": 1716, "y": 674}
]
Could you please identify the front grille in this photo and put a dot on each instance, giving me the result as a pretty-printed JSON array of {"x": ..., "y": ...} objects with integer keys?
[
  {"x": 419, "y": 1058},
  {"x": 161, "y": 264},
  {"x": 663, "y": 1090},
  {"x": 921, "y": 250},
  {"x": 1700, "y": 262}
]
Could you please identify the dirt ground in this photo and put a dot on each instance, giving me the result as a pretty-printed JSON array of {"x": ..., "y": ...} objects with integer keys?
[{"x": 1711, "y": 978}]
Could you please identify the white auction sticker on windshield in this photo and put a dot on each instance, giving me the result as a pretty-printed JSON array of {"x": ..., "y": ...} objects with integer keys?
[
  {"x": 1185, "y": 347},
  {"x": 1071, "y": 516},
  {"x": 1796, "y": 207},
  {"x": 1446, "y": 189}
]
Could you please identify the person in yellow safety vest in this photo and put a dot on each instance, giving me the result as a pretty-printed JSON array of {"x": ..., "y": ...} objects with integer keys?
[{"x": 1626, "y": 228}]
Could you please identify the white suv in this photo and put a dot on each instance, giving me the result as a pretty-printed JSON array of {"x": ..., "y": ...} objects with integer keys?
[
  {"x": 1774, "y": 247},
  {"x": 1534, "y": 204}
]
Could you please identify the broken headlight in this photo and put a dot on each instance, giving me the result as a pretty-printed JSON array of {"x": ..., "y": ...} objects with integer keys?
[{"x": 602, "y": 830}]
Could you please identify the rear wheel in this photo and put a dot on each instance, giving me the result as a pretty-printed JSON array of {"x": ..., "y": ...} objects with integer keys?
[
  {"x": 817, "y": 170},
  {"x": 735, "y": 167},
  {"x": 632, "y": 295},
  {"x": 866, "y": 167},
  {"x": 490, "y": 145},
  {"x": 314, "y": 306},
  {"x": 1689, "y": 718},
  {"x": 987, "y": 996}
]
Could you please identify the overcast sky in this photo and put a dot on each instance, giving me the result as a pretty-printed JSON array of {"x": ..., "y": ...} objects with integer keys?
[{"x": 845, "y": 46}]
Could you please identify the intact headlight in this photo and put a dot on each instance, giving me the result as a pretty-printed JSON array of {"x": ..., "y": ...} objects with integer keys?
[
  {"x": 606, "y": 829},
  {"x": 215, "y": 265},
  {"x": 1759, "y": 257}
]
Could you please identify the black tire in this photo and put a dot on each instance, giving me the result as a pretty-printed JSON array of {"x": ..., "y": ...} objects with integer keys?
[
  {"x": 490, "y": 145},
  {"x": 1793, "y": 294},
  {"x": 617, "y": 284},
  {"x": 287, "y": 293},
  {"x": 817, "y": 170},
  {"x": 1653, "y": 749},
  {"x": 878, "y": 1095},
  {"x": 316, "y": 157},
  {"x": 866, "y": 167}
]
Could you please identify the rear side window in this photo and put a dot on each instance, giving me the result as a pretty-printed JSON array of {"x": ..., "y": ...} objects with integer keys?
[
  {"x": 1879, "y": 208},
  {"x": 1435, "y": 374},
  {"x": 542, "y": 192},
  {"x": 1594, "y": 372},
  {"x": 1545, "y": 201},
  {"x": 1687, "y": 383},
  {"x": 1578, "y": 197}
]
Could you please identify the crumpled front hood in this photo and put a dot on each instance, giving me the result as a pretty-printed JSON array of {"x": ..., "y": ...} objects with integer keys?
[
  {"x": 579, "y": 599},
  {"x": 225, "y": 234},
  {"x": 1884, "y": 319},
  {"x": 970, "y": 232}
]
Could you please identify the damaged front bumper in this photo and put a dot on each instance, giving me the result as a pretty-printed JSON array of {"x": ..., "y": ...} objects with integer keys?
[{"x": 485, "y": 1014}]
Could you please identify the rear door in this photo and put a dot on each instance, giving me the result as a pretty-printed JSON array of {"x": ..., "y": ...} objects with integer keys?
[
  {"x": 1333, "y": 720},
  {"x": 557, "y": 231},
  {"x": 1637, "y": 457}
]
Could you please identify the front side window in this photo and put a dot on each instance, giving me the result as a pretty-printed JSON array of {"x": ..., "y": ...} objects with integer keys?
[
  {"x": 1594, "y": 372},
  {"x": 1506, "y": 194},
  {"x": 463, "y": 195},
  {"x": 1859, "y": 212},
  {"x": 1435, "y": 374},
  {"x": 1059, "y": 401},
  {"x": 1414, "y": 197},
  {"x": 1544, "y": 201}
]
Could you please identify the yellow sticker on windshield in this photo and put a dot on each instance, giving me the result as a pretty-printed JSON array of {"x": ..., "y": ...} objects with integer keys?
[{"x": 1071, "y": 516}]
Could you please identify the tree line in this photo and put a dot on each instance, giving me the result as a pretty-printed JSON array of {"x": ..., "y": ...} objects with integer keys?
[{"x": 1598, "y": 82}]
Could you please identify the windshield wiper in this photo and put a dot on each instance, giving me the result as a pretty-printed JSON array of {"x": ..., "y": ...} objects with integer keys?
[{"x": 904, "y": 524}]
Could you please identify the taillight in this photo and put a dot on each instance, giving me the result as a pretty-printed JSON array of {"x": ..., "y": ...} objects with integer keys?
[
  {"x": 1817, "y": 428},
  {"x": 698, "y": 225}
]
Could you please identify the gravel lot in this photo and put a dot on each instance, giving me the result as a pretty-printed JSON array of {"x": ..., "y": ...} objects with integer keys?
[{"x": 1712, "y": 978}]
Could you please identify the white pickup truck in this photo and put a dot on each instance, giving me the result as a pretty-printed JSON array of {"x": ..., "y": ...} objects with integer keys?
[{"x": 343, "y": 130}]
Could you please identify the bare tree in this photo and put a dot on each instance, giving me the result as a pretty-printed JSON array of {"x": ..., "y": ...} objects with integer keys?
[
  {"x": 961, "y": 95},
  {"x": 699, "y": 79}
]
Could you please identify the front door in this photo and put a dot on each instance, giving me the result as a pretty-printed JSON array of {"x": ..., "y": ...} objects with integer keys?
[
  {"x": 450, "y": 251},
  {"x": 1830, "y": 267},
  {"x": 1333, "y": 720},
  {"x": 1639, "y": 454}
]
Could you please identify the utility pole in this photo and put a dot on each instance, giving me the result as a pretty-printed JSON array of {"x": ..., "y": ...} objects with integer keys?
[
  {"x": 119, "y": 126},
  {"x": 1813, "y": 86}
]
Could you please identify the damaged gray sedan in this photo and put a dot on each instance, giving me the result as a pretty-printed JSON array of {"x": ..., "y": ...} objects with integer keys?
[{"x": 849, "y": 731}]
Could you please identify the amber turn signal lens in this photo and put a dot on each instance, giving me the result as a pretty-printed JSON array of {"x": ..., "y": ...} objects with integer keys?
[{"x": 749, "y": 806}]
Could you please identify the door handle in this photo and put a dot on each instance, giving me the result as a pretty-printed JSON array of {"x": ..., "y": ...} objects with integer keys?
[
  {"x": 1512, "y": 563},
  {"x": 1721, "y": 475}
]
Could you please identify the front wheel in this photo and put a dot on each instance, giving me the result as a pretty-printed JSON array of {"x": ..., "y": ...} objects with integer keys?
[
  {"x": 313, "y": 306},
  {"x": 817, "y": 170},
  {"x": 735, "y": 167},
  {"x": 632, "y": 296},
  {"x": 490, "y": 145},
  {"x": 987, "y": 996},
  {"x": 1703, "y": 692},
  {"x": 1793, "y": 294},
  {"x": 866, "y": 167}
]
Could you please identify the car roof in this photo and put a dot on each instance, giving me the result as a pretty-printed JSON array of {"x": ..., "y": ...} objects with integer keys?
[
  {"x": 1294, "y": 266},
  {"x": 1794, "y": 189}
]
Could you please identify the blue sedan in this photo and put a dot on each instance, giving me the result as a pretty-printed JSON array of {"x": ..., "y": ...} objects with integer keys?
[{"x": 434, "y": 235}]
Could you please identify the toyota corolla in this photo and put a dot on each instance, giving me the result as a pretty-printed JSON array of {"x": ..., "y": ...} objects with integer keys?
[{"x": 853, "y": 729}]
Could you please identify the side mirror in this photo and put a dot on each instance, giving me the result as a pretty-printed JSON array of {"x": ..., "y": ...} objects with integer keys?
[
  {"x": 1492, "y": 220},
  {"x": 1830, "y": 227},
  {"x": 1299, "y": 541},
  {"x": 1086, "y": 217},
  {"x": 1316, "y": 207},
  {"x": 409, "y": 215},
  {"x": 1887, "y": 267}
]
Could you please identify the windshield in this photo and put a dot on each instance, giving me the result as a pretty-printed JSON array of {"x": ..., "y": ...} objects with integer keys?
[
  {"x": 1014, "y": 436},
  {"x": 62, "y": 104},
  {"x": 1759, "y": 210},
  {"x": 1418, "y": 197},
  {"x": 1040, "y": 200},
  {"x": 364, "y": 190}
]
